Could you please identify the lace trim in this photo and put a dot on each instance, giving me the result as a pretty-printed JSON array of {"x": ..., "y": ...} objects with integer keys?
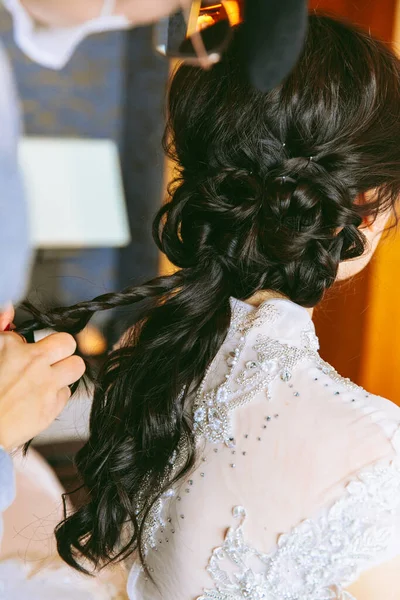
[{"x": 319, "y": 557}]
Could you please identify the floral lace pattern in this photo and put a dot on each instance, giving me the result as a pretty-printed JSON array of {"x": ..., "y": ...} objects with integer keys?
[{"x": 309, "y": 562}]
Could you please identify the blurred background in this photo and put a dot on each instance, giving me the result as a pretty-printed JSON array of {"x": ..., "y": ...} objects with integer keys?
[{"x": 93, "y": 134}]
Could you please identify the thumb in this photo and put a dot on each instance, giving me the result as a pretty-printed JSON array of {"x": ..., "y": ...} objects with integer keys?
[{"x": 6, "y": 316}]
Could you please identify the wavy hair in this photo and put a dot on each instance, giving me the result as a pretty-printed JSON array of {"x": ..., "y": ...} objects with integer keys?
[{"x": 266, "y": 197}]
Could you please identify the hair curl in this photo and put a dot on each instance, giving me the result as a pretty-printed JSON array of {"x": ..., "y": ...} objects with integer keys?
[{"x": 265, "y": 198}]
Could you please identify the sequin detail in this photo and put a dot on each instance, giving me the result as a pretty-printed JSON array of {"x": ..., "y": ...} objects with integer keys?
[
  {"x": 319, "y": 557},
  {"x": 328, "y": 370},
  {"x": 212, "y": 410},
  {"x": 157, "y": 517},
  {"x": 270, "y": 360}
]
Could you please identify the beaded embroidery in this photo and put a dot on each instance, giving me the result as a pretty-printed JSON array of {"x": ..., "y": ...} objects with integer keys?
[
  {"x": 153, "y": 522},
  {"x": 212, "y": 410},
  {"x": 309, "y": 561},
  {"x": 327, "y": 369},
  {"x": 155, "y": 519}
]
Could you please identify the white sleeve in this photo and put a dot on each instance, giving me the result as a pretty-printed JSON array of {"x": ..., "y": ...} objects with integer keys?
[{"x": 53, "y": 47}]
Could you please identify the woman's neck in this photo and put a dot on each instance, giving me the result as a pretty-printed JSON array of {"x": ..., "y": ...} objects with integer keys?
[{"x": 264, "y": 295}]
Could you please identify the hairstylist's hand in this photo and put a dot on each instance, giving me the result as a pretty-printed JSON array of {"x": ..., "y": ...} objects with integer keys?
[{"x": 34, "y": 380}]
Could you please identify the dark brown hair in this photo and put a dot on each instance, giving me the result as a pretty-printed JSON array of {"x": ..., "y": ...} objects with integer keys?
[{"x": 264, "y": 198}]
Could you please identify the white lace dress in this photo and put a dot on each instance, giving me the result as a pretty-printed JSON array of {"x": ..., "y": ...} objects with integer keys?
[
  {"x": 297, "y": 487},
  {"x": 296, "y": 490}
]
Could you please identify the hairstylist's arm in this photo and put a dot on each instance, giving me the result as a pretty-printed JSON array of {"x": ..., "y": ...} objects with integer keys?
[{"x": 34, "y": 380}]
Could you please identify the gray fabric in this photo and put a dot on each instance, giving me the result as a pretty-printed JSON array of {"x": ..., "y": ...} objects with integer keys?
[{"x": 14, "y": 246}]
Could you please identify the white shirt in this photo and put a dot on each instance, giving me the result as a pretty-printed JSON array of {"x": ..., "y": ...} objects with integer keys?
[{"x": 53, "y": 47}]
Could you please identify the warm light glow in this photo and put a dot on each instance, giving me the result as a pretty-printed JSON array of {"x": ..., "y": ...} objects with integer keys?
[
  {"x": 208, "y": 18},
  {"x": 214, "y": 12},
  {"x": 396, "y": 30},
  {"x": 205, "y": 21},
  {"x": 232, "y": 8}
]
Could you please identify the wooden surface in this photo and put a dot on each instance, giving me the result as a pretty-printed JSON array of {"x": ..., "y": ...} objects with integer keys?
[
  {"x": 373, "y": 15},
  {"x": 380, "y": 365},
  {"x": 381, "y": 357},
  {"x": 348, "y": 318}
]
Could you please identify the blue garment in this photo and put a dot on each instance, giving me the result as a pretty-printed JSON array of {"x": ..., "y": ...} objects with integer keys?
[
  {"x": 14, "y": 239},
  {"x": 14, "y": 244},
  {"x": 7, "y": 485}
]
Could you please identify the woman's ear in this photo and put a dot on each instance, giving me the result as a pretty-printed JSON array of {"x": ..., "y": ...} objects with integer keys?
[
  {"x": 376, "y": 225},
  {"x": 373, "y": 224},
  {"x": 372, "y": 227}
]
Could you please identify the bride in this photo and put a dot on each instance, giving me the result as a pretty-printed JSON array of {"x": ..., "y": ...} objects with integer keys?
[{"x": 226, "y": 459}]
